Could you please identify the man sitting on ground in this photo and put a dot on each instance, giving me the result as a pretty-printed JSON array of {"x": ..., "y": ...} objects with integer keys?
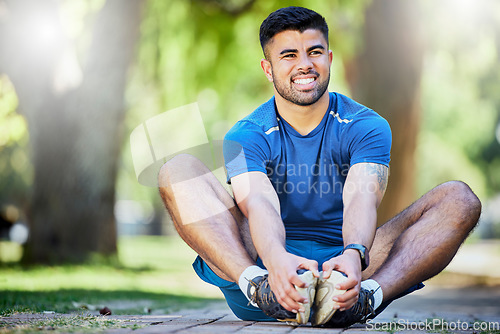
[{"x": 308, "y": 169}]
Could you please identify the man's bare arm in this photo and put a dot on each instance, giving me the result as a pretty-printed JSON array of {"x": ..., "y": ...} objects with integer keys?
[
  {"x": 259, "y": 202},
  {"x": 363, "y": 191}
]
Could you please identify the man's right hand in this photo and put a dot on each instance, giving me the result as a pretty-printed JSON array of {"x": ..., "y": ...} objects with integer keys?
[
  {"x": 283, "y": 278},
  {"x": 259, "y": 202}
]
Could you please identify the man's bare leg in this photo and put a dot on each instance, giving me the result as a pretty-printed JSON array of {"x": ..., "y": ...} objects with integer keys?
[
  {"x": 206, "y": 216},
  {"x": 420, "y": 241}
]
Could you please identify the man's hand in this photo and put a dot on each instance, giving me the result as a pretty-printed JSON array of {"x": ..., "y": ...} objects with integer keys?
[
  {"x": 349, "y": 263},
  {"x": 259, "y": 202},
  {"x": 283, "y": 278}
]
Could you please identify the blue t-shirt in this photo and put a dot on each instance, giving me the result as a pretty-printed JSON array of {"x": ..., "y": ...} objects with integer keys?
[{"x": 308, "y": 172}]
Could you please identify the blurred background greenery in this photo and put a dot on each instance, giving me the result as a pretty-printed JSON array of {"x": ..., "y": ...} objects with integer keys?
[
  {"x": 154, "y": 277},
  {"x": 77, "y": 76}
]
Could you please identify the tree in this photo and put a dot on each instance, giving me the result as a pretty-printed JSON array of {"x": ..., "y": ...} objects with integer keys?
[
  {"x": 75, "y": 122},
  {"x": 386, "y": 77}
]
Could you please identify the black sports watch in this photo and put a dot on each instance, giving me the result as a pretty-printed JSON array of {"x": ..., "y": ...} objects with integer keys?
[{"x": 363, "y": 254}]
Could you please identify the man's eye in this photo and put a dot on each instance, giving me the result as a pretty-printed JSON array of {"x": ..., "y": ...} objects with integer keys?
[
  {"x": 290, "y": 55},
  {"x": 316, "y": 52}
]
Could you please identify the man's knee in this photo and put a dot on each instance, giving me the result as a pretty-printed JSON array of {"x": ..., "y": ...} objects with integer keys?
[
  {"x": 182, "y": 167},
  {"x": 463, "y": 202}
]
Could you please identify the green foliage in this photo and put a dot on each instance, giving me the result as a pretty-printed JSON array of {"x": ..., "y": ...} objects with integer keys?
[
  {"x": 461, "y": 107},
  {"x": 15, "y": 169}
]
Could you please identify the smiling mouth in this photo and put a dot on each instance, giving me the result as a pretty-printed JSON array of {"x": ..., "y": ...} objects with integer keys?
[{"x": 304, "y": 81}]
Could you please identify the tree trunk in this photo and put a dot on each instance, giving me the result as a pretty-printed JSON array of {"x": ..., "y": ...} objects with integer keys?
[
  {"x": 75, "y": 134},
  {"x": 386, "y": 77}
]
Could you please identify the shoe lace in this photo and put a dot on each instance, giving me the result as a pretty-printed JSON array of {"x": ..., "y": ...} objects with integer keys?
[
  {"x": 253, "y": 297},
  {"x": 267, "y": 297},
  {"x": 364, "y": 306}
]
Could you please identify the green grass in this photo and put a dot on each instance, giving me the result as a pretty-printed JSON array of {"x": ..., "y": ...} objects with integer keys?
[
  {"x": 75, "y": 323},
  {"x": 154, "y": 275},
  {"x": 75, "y": 300}
]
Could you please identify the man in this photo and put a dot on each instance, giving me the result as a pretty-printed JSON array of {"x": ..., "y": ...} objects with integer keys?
[{"x": 308, "y": 170}]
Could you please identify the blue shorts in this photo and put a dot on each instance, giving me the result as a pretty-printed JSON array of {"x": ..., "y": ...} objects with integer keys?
[{"x": 239, "y": 304}]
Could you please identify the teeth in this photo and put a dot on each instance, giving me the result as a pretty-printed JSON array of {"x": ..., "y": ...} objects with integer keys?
[{"x": 303, "y": 81}]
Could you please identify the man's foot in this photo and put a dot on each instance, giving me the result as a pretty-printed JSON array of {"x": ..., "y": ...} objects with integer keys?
[
  {"x": 261, "y": 294},
  {"x": 359, "y": 313},
  {"x": 323, "y": 303}
]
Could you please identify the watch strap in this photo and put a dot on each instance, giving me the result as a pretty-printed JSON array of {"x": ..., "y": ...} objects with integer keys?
[{"x": 362, "y": 250}]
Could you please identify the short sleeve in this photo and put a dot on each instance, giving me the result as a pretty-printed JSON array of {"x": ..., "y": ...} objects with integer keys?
[
  {"x": 245, "y": 150},
  {"x": 368, "y": 138}
]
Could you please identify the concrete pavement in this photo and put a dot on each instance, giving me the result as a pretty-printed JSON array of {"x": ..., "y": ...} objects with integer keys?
[{"x": 432, "y": 309}]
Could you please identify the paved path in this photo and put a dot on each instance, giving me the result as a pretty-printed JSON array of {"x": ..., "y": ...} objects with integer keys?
[{"x": 432, "y": 309}]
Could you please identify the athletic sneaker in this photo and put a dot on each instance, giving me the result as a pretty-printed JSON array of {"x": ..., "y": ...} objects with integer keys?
[
  {"x": 261, "y": 294},
  {"x": 325, "y": 291},
  {"x": 359, "y": 313}
]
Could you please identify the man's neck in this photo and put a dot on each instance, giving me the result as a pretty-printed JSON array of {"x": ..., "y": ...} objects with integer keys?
[{"x": 303, "y": 119}]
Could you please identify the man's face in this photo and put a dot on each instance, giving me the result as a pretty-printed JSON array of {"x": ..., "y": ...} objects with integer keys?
[{"x": 298, "y": 64}]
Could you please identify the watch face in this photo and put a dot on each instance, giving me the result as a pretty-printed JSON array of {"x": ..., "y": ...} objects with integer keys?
[{"x": 367, "y": 257}]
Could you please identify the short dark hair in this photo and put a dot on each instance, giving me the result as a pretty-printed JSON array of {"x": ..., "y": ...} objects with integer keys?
[{"x": 291, "y": 18}]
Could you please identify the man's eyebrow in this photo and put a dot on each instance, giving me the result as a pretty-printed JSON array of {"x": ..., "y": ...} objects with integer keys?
[
  {"x": 288, "y": 51},
  {"x": 318, "y": 46}
]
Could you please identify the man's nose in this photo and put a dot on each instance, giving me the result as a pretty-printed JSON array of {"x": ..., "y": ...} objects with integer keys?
[{"x": 305, "y": 63}]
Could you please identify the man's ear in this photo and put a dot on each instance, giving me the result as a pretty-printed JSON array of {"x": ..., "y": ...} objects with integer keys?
[
  {"x": 267, "y": 68},
  {"x": 330, "y": 56}
]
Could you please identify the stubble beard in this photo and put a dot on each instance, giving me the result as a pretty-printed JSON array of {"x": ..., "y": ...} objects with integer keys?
[{"x": 301, "y": 98}]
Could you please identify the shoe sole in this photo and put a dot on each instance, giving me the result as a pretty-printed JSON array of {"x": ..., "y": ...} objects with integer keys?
[
  {"x": 309, "y": 293},
  {"x": 325, "y": 291}
]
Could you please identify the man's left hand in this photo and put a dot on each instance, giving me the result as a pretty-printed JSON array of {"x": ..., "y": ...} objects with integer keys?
[{"x": 349, "y": 263}]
